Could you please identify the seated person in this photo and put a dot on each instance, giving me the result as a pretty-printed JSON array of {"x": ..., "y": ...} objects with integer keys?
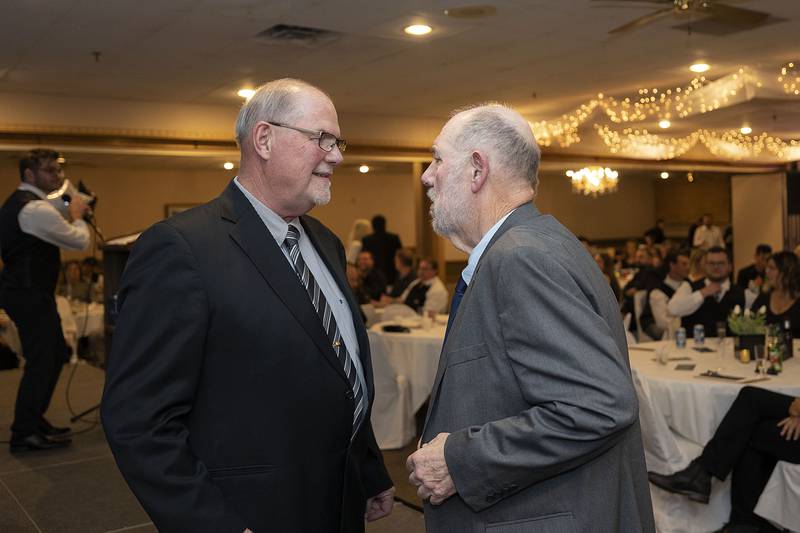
[
  {"x": 761, "y": 428},
  {"x": 608, "y": 268},
  {"x": 646, "y": 278},
  {"x": 752, "y": 276},
  {"x": 655, "y": 318},
  {"x": 373, "y": 281},
  {"x": 404, "y": 263},
  {"x": 72, "y": 286},
  {"x": 354, "y": 280},
  {"x": 427, "y": 293},
  {"x": 92, "y": 275},
  {"x": 783, "y": 300},
  {"x": 709, "y": 301}
]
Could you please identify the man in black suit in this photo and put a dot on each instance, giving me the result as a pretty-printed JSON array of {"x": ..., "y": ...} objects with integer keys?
[
  {"x": 383, "y": 246},
  {"x": 239, "y": 385}
]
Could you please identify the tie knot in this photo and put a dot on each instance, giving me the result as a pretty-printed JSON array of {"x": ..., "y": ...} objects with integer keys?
[
  {"x": 292, "y": 236},
  {"x": 461, "y": 286}
]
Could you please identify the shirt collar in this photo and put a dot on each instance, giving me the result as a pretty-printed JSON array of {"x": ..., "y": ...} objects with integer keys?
[
  {"x": 276, "y": 225},
  {"x": 477, "y": 252},
  {"x": 724, "y": 286},
  {"x": 669, "y": 282},
  {"x": 24, "y": 186}
]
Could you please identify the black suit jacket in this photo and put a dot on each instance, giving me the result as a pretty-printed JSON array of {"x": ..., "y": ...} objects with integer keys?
[
  {"x": 225, "y": 405},
  {"x": 383, "y": 247}
]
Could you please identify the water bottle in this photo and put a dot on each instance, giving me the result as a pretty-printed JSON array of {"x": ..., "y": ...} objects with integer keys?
[
  {"x": 699, "y": 335},
  {"x": 788, "y": 341},
  {"x": 680, "y": 337}
]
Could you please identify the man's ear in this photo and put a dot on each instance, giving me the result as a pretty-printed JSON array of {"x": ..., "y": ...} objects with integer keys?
[
  {"x": 480, "y": 171},
  {"x": 28, "y": 176},
  {"x": 262, "y": 139}
]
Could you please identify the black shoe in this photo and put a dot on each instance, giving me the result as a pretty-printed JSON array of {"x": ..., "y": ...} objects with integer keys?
[
  {"x": 693, "y": 481},
  {"x": 35, "y": 442},
  {"x": 49, "y": 430}
]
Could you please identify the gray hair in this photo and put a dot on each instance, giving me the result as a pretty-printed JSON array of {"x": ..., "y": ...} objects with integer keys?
[
  {"x": 274, "y": 101},
  {"x": 492, "y": 126}
]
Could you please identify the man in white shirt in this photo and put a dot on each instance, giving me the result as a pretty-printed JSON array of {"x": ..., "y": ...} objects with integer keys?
[
  {"x": 31, "y": 232},
  {"x": 708, "y": 235},
  {"x": 655, "y": 318},
  {"x": 427, "y": 293},
  {"x": 709, "y": 301}
]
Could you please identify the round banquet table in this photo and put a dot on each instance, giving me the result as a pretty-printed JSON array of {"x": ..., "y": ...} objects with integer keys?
[
  {"x": 414, "y": 355},
  {"x": 679, "y": 411}
]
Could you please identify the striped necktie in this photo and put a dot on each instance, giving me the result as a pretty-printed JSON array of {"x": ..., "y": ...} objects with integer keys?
[{"x": 328, "y": 322}]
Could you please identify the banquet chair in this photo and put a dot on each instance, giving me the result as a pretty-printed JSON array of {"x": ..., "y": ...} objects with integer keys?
[
  {"x": 392, "y": 417},
  {"x": 395, "y": 311},
  {"x": 639, "y": 299}
]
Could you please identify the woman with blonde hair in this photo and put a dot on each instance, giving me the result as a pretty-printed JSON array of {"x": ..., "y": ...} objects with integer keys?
[
  {"x": 360, "y": 228},
  {"x": 697, "y": 264}
]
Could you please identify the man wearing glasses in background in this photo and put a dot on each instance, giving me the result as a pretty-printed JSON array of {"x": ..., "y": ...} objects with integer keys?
[
  {"x": 31, "y": 232},
  {"x": 240, "y": 385}
]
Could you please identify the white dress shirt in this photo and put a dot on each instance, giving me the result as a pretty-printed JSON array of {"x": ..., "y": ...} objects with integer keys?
[
  {"x": 41, "y": 219},
  {"x": 685, "y": 301},
  {"x": 279, "y": 228},
  {"x": 708, "y": 237},
  {"x": 658, "y": 304},
  {"x": 477, "y": 252},
  {"x": 436, "y": 297}
]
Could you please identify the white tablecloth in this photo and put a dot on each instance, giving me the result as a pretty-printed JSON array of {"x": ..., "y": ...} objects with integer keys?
[
  {"x": 413, "y": 357},
  {"x": 679, "y": 413}
]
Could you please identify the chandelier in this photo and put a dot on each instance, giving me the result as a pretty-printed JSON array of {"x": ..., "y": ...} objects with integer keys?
[{"x": 593, "y": 180}]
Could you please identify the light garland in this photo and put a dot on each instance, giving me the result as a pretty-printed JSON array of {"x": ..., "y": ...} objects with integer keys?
[
  {"x": 789, "y": 78},
  {"x": 593, "y": 180},
  {"x": 698, "y": 97}
]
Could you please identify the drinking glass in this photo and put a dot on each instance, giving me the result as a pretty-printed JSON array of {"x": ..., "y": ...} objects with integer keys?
[{"x": 760, "y": 357}]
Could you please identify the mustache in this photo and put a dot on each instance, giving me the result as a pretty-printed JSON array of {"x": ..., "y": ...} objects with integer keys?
[{"x": 431, "y": 195}]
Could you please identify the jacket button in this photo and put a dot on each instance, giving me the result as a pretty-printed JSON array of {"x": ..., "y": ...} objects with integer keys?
[{"x": 349, "y": 394}]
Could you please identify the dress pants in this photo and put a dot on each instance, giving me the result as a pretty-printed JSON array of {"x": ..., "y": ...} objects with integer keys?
[
  {"x": 749, "y": 444},
  {"x": 44, "y": 349}
]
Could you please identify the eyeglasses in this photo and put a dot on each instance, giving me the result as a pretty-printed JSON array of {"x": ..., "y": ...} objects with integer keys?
[{"x": 325, "y": 140}]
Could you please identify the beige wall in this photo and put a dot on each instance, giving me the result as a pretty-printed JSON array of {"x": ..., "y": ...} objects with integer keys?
[
  {"x": 131, "y": 199},
  {"x": 757, "y": 202}
]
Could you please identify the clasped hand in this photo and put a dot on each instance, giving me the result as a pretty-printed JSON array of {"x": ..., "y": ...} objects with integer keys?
[{"x": 429, "y": 473}]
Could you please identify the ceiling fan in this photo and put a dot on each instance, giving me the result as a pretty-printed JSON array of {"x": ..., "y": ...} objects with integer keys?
[{"x": 686, "y": 10}]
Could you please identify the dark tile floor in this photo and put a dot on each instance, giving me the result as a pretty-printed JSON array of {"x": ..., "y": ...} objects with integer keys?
[{"x": 80, "y": 490}]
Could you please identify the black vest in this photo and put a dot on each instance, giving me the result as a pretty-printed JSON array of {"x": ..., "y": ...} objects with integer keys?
[
  {"x": 713, "y": 311},
  {"x": 416, "y": 296},
  {"x": 646, "y": 319},
  {"x": 29, "y": 262}
]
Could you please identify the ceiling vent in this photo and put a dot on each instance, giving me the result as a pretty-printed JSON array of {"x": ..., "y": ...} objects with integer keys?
[{"x": 297, "y": 35}]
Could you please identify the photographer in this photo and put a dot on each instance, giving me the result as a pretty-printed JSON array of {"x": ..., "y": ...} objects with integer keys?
[{"x": 31, "y": 232}]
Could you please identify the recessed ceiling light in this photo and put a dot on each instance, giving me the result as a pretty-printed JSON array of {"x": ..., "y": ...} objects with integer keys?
[
  {"x": 700, "y": 67},
  {"x": 246, "y": 93},
  {"x": 418, "y": 29},
  {"x": 664, "y": 124},
  {"x": 61, "y": 160},
  {"x": 664, "y": 175},
  {"x": 746, "y": 130},
  {"x": 363, "y": 169},
  {"x": 689, "y": 177},
  {"x": 227, "y": 165}
]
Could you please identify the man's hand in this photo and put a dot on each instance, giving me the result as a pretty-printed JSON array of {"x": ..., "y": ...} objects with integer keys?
[
  {"x": 711, "y": 289},
  {"x": 77, "y": 208},
  {"x": 790, "y": 427},
  {"x": 429, "y": 471},
  {"x": 380, "y": 505},
  {"x": 794, "y": 407}
]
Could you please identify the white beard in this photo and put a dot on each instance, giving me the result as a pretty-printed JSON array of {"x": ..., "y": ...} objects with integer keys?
[
  {"x": 448, "y": 220},
  {"x": 321, "y": 193}
]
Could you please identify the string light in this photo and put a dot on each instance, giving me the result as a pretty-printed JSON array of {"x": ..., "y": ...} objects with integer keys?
[
  {"x": 789, "y": 78},
  {"x": 699, "y": 96}
]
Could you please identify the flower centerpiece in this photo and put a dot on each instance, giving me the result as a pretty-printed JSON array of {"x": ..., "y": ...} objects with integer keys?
[{"x": 748, "y": 327}]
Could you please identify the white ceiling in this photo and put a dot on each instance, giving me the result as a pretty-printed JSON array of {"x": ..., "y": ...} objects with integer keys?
[{"x": 545, "y": 57}]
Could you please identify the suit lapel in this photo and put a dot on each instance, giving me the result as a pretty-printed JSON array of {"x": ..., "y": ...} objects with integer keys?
[
  {"x": 328, "y": 253},
  {"x": 522, "y": 214},
  {"x": 250, "y": 234}
]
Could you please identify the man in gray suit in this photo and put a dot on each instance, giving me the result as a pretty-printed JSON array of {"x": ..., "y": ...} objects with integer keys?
[{"x": 533, "y": 420}]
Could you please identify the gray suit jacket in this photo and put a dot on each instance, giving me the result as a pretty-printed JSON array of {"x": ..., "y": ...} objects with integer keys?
[{"x": 534, "y": 386}]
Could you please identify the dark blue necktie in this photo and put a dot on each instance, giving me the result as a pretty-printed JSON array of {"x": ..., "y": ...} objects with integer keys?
[{"x": 461, "y": 288}]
